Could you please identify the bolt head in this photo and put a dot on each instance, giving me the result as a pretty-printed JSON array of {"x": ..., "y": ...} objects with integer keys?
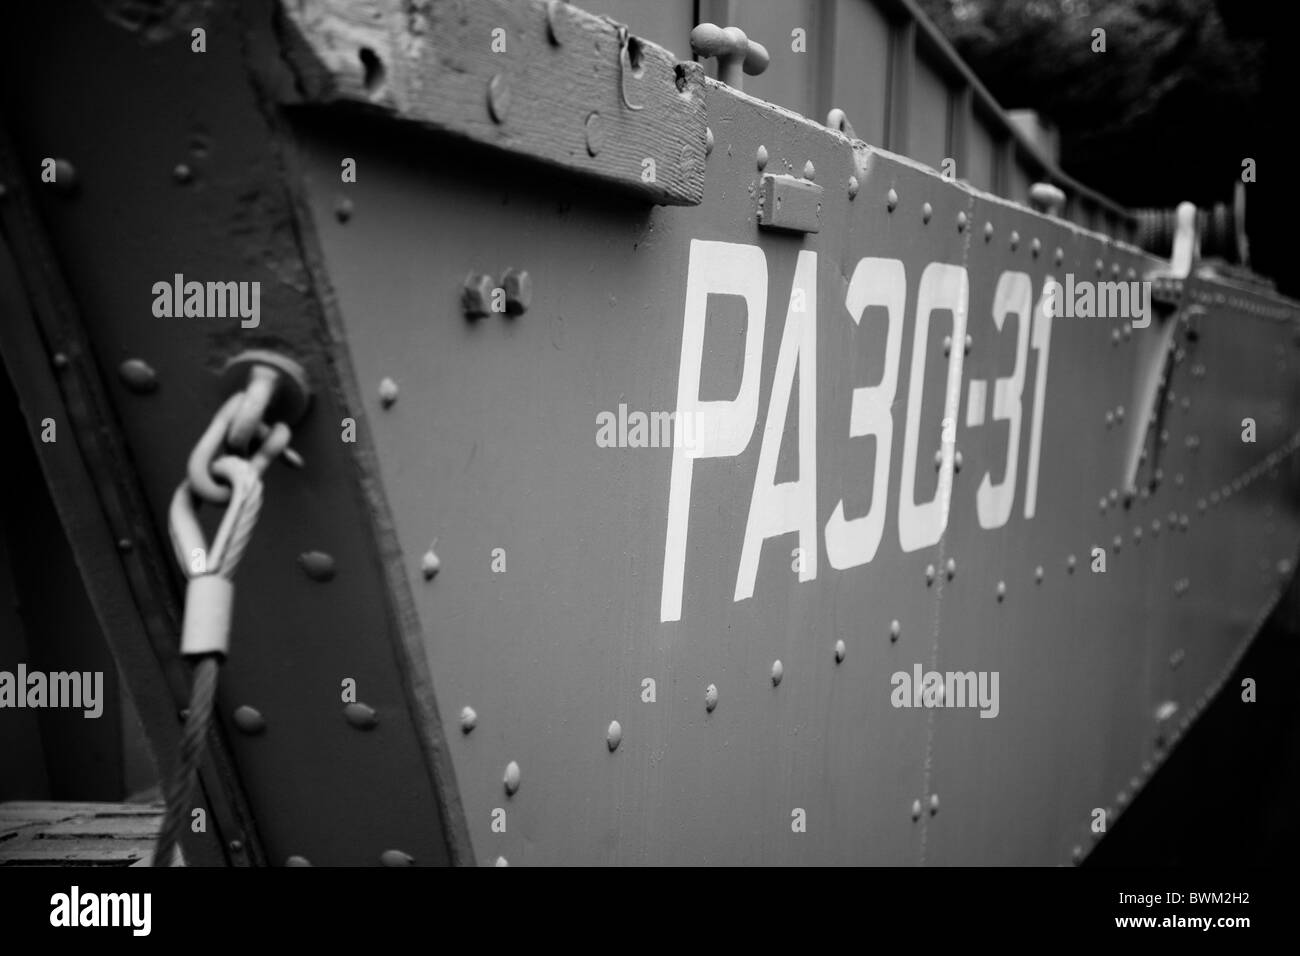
[
  {"x": 518, "y": 286},
  {"x": 476, "y": 295}
]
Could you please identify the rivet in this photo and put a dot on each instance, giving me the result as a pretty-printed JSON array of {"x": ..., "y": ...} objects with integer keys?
[
  {"x": 249, "y": 720},
  {"x": 916, "y": 809},
  {"x": 934, "y": 804},
  {"x": 124, "y": 545},
  {"x": 182, "y": 174},
  {"x": 60, "y": 360},
  {"x": 956, "y": 461},
  {"x": 613, "y": 735},
  {"x": 1121, "y": 798},
  {"x": 708, "y": 141},
  {"x": 1114, "y": 495},
  {"x": 1038, "y": 574},
  {"x": 1137, "y": 535},
  {"x": 1002, "y": 590},
  {"x": 1076, "y": 854},
  {"x": 236, "y": 846},
  {"x": 317, "y": 565},
  {"x": 840, "y": 651},
  {"x": 297, "y": 861},
  {"x": 926, "y": 212},
  {"x": 502, "y": 861},
  {"x": 969, "y": 343},
  {"x": 1184, "y": 522},
  {"x": 1060, "y": 255},
  {"x": 1127, "y": 330},
  {"x": 1114, "y": 337},
  {"x": 511, "y": 778},
  {"x": 468, "y": 719},
  {"x": 343, "y": 210},
  {"x": 1015, "y": 239},
  {"x": 1069, "y": 564},
  {"x": 951, "y": 568},
  {"x": 387, "y": 393},
  {"x": 65, "y": 177},
  {"x": 430, "y": 564},
  {"x": 361, "y": 716},
  {"x": 1119, "y": 413},
  {"x": 498, "y": 98},
  {"x": 760, "y": 158},
  {"x": 929, "y": 574},
  {"x": 138, "y": 375},
  {"x": 778, "y": 671},
  {"x": 947, "y": 344},
  {"x": 988, "y": 231},
  {"x": 1035, "y": 248},
  {"x": 809, "y": 171},
  {"x": 1103, "y": 504},
  {"x": 853, "y": 186},
  {"x": 961, "y": 221},
  {"x": 1110, "y": 419},
  {"x": 711, "y": 697},
  {"x": 891, "y": 200},
  {"x": 1099, "y": 266},
  {"x": 396, "y": 858},
  {"x": 1117, "y": 543},
  {"x": 518, "y": 286},
  {"x": 895, "y": 629},
  {"x": 595, "y": 133},
  {"x": 938, "y": 458}
]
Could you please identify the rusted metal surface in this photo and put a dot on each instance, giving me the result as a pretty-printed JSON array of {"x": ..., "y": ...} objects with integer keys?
[{"x": 893, "y": 456}]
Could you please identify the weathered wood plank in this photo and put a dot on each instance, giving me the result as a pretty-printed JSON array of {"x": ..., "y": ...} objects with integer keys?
[
  {"x": 77, "y": 834},
  {"x": 546, "y": 81}
]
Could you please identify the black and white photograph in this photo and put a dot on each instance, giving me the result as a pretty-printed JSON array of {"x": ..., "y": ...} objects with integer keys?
[{"x": 702, "y": 434}]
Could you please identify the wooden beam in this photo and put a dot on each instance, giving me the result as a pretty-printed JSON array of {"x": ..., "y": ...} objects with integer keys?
[{"x": 549, "y": 82}]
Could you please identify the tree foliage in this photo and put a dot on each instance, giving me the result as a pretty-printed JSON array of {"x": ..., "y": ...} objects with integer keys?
[{"x": 1172, "y": 83}]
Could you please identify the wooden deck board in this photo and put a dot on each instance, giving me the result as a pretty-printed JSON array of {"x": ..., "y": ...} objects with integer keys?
[{"x": 77, "y": 834}]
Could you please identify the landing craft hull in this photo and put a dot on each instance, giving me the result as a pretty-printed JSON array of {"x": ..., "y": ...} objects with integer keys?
[{"x": 580, "y": 584}]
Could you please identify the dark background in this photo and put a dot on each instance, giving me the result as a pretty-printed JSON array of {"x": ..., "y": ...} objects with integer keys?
[{"x": 1185, "y": 91}]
